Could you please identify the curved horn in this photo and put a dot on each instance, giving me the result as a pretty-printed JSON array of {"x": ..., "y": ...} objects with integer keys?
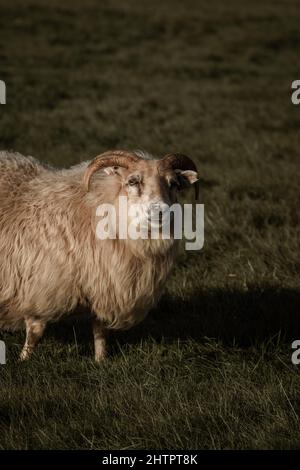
[
  {"x": 177, "y": 161},
  {"x": 111, "y": 158}
]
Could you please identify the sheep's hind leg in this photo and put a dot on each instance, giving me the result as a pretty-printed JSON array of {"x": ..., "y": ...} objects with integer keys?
[
  {"x": 100, "y": 335},
  {"x": 34, "y": 331}
]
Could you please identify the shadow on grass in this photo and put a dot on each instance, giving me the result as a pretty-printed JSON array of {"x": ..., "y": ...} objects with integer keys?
[
  {"x": 233, "y": 317},
  {"x": 242, "y": 318}
]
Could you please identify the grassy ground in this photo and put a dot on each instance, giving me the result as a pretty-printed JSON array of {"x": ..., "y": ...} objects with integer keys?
[{"x": 211, "y": 367}]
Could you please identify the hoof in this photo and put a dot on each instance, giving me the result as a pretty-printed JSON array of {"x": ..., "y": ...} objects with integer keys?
[
  {"x": 100, "y": 357},
  {"x": 24, "y": 356}
]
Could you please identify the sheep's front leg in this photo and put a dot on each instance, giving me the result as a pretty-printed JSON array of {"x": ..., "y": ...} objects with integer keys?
[
  {"x": 34, "y": 331},
  {"x": 100, "y": 336}
]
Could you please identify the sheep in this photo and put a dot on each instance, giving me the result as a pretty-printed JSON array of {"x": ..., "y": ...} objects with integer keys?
[{"x": 51, "y": 259}]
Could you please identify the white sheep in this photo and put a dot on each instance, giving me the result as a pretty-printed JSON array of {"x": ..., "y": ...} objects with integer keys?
[{"x": 51, "y": 259}]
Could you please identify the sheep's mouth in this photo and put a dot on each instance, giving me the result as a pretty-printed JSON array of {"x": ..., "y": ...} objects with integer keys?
[{"x": 160, "y": 224}]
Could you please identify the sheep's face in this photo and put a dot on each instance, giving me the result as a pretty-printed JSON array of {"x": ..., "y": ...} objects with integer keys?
[
  {"x": 151, "y": 191},
  {"x": 142, "y": 189}
]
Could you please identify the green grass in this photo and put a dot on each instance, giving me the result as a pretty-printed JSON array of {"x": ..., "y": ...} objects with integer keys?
[{"x": 211, "y": 366}]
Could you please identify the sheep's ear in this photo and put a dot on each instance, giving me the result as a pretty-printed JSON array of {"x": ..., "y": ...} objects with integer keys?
[{"x": 187, "y": 177}]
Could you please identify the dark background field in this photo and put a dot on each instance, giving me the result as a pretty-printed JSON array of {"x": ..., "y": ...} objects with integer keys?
[{"x": 211, "y": 367}]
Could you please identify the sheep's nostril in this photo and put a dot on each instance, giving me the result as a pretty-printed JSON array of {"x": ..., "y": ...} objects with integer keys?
[
  {"x": 158, "y": 213},
  {"x": 154, "y": 207},
  {"x": 154, "y": 211}
]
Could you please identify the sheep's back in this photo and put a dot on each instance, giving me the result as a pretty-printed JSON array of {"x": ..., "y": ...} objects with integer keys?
[{"x": 15, "y": 171}]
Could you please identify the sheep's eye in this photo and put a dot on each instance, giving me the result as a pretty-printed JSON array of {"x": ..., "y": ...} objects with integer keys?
[{"x": 133, "y": 182}]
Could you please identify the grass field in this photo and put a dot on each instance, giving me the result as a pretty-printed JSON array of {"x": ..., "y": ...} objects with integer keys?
[{"x": 211, "y": 367}]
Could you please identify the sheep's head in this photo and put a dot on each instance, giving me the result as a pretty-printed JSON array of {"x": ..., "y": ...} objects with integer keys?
[{"x": 147, "y": 182}]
